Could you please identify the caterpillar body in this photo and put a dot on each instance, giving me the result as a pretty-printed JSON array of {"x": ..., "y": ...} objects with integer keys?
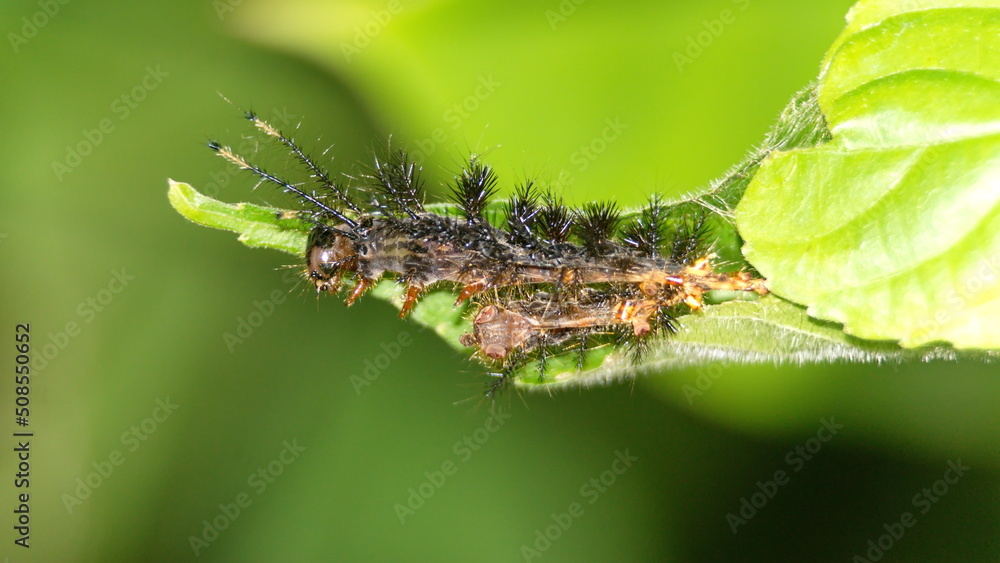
[{"x": 541, "y": 277}]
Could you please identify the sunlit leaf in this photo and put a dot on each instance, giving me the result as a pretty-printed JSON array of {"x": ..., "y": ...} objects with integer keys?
[{"x": 893, "y": 227}]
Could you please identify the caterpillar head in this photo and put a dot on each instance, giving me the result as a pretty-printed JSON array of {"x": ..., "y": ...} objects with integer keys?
[
  {"x": 497, "y": 332},
  {"x": 328, "y": 256}
]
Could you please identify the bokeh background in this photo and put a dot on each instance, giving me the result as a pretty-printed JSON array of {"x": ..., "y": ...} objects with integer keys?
[{"x": 130, "y": 305}]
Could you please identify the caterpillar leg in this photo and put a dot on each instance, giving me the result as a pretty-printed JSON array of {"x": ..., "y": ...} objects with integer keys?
[
  {"x": 412, "y": 294},
  {"x": 359, "y": 289}
]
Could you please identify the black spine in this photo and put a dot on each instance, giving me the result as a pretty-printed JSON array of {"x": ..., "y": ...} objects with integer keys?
[
  {"x": 316, "y": 172},
  {"x": 596, "y": 225},
  {"x": 554, "y": 221},
  {"x": 647, "y": 233},
  {"x": 473, "y": 189},
  {"x": 398, "y": 178},
  {"x": 522, "y": 212}
]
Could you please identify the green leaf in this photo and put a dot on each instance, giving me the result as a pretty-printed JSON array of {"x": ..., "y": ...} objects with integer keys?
[
  {"x": 893, "y": 227},
  {"x": 279, "y": 229},
  {"x": 766, "y": 330},
  {"x": 258, "y": 226},
  {"x": 770, "y": 330}
]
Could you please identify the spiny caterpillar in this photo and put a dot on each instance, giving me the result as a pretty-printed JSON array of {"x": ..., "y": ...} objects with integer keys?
[{"x": 546, "y": 278}]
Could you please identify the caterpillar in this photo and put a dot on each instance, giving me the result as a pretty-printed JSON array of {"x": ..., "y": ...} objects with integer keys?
[
  {"x": 517, "y": 332},
  {"x": 513, "y": 332},
  {"x": 540, "y": 276}
]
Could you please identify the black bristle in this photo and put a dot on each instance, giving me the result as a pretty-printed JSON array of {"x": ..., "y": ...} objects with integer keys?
[
  {"x": 689, "y": 240},
  {"x": 635, "y": 347},
  {"x": 596, "y": 225},
  {"x": 398, "y": 178},
  {"x": 500, "y": 383},
  {"x": 474, "y": 188},
  {"x": 543, "y": 356},
  {"x": 310, "y": 198},
  {"x": 638, "y": 348},
  {"x": 327, "y": 186},
  {"x": 647, "y": 233},
  {"x": 554, "y": 222},
  {"x": 522, "y": 212},
  {"x": 582, "y": 348},
  {"x": 665, "y": 321}
]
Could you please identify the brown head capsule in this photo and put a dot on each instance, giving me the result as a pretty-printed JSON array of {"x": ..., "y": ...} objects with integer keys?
[
  {"x": 328, "y": 256},
  {"x": 498, "y": 331}
]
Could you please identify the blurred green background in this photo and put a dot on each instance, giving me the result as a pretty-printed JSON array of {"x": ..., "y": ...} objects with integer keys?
[{"x": 599, "y": 98}]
